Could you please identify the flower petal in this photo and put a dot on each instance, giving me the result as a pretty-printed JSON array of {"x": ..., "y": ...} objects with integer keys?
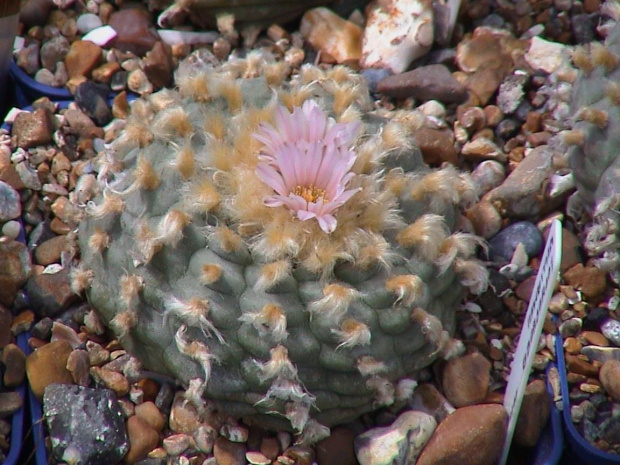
[
  {"x": 327, "y": 223},
  {"x": 270, "y": 176}
]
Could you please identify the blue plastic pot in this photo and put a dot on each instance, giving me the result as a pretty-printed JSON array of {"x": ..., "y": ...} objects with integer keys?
[
  {"x": 27, "y": 90},
  {"x": 583, "y": 453}
]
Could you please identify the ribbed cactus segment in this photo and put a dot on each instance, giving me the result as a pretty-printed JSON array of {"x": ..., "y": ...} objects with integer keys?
[
  {"x": 593, "y": 147},
  {"x": 300, "y": 312}
]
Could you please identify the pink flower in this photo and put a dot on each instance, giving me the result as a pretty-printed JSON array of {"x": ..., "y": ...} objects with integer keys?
[{"x": 306, "y": 159}]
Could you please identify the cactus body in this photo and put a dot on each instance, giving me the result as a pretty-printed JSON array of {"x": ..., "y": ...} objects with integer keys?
[
  {"x": 258, "y": 309},
  {"x": 593, "y": 152}
]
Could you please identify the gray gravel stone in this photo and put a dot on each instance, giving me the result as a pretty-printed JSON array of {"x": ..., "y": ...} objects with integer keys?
[
  {"x": 10, "y": 206},
  {"x": 503, "y": 244},
  {"x": 86, "y": 425}
]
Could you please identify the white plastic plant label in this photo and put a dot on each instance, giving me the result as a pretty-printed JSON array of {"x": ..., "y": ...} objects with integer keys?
[{"x": 532, "y": 327}]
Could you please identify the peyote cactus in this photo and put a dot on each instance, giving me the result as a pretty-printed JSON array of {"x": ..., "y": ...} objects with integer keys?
[
  {"x": 287, "y": 266},
  {"x": 593, "y": 145}
]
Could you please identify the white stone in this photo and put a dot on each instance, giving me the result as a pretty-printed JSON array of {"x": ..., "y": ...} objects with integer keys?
[
  {"x": 101, "y": 36},
  {"x": 397, "y": 32},
  {"x": 545, "y": 55},
  {"x": 398, "y": 444}
]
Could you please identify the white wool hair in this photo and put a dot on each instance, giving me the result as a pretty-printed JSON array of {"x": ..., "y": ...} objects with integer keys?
[
  {"x": 429, "y": 324},
  {"x": 270, "y": 320},
  {"x": 368, "y": 366},
  {"x": 405, "y": 388},
  {"x": 112, "y": 205},
  {"x": 272, "y": 274},
  {"x": 193, "y": 313},
  {"x": 384, "y": 390},
  {"x": 123, "y": 322},
  {"x": 287, "y": 390},
  {"x": 460, "y": 244},
  {"x": 81, "y": 279},
  {"x": 473, "y": 275},
  {"x": 333, "y": 306},
  {"x": 409, "y": 289},
  {"x": 170, "y": 228},
  {"x": 131, "y": 286},
  {"x": 352, "y": 334},
  {"x": 195, "y": 350},
  {"x": 298, "y": 414},
  {"x": 313, "y": 432},
  {"x": 279, "y": 365}
]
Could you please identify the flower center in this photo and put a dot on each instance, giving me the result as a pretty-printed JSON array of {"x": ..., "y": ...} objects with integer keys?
[{"x": 310, "y": 193}]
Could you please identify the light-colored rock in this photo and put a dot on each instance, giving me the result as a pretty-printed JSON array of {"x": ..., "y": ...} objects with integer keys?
[
  {"x": 546, "y": 55},
  {"x": 397, "y": 32},
  {"x": 397, "y": 444},
  {"x": 337, "y": 39}
]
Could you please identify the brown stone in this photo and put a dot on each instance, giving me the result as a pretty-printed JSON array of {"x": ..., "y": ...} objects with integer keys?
[
  {"x": 49, "y": 252},
  {"x": 609, "y": 376},
  {"x": 50, "y": 293},
  {"x": 14, "y": 271},
  {"x": 534, "y": 414},
  {"x": 135, "y": 31},
  {"x": 83, "y": 57},
  {"x": 120, "y": 106},
  {"x": 31, "y": 129},
  {"x": 466, "y": 379},
  {"x": 485, "y": 219},
  {"x": 572, "y": 346},
  {"x": 590, "y": 281},
  {"x": 472, "y": 435},
  {"x": 581, "y": 367},
  {"x": 78, "y": 364},
  {"x": 270, "y": 447},
  {"x": 48, "y": 365},
  {"x": 338, "y": 448},
  {"x": 525, "y": 288},
  {"x": 229, "y": 453},
  {"x": 142, "y": 439},
  {"x": 106, "y": 72},
  {"x": 437, "y": 145},
  {"x": 14, "y": 361},
  {"x": 595, "y": 338},
  {"x": 149, "y": 412},
  {"x": 81, "y": 123},
  {"x": 6, "y": 318},
  {"x": 10, "y": 402},
  {"x": 158, "y": 65},
  {"x": 432, "y": 82}
]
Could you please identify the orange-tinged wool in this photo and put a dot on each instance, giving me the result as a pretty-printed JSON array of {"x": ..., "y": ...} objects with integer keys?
[
  {"x": 112, "y": 204},
  {"x": 81, "y": 279},
  {"x": 294, "y": 98},
  {"x": 185, "y": 162},
  {"x": 204, "y": 197},
  {"x": 131, "y": 286},
  {"x": 176, "y": 122},
  {"x": 344, "y": 96},
  {"x": 612, "y": 91},
  {"x": 275, "y": 73},
  {"x": 211, "y": 273},
  {"x": 222, "y": 155},
  {"x": 395, "y": 136},
  {"x": 273, "y": 273},
  {"x": 144, "y": 174},
  {"x": 99, "y": 240},
  {"x": 603, "y": 56},
  {"x": 353, "y": 333},
  {"x": 408, "y": 288},
  {"x": 594, "y": 116},
  {"x": 581, "y": 58},
  {"x": 215, "y": 126},
  {"x": 574, "y": 137},
  {"x": 170, "y": 228},
  {"x": 228, "y": 239},
  {"x": 231, "y": 91},
  {"x": 426, "y": 233},
  {"x": 138, "y": 133},
  {"x": 196, "y": 87}
]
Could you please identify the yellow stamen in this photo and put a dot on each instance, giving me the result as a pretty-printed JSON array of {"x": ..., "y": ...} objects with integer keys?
[{"x": 310, "y": 194}]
